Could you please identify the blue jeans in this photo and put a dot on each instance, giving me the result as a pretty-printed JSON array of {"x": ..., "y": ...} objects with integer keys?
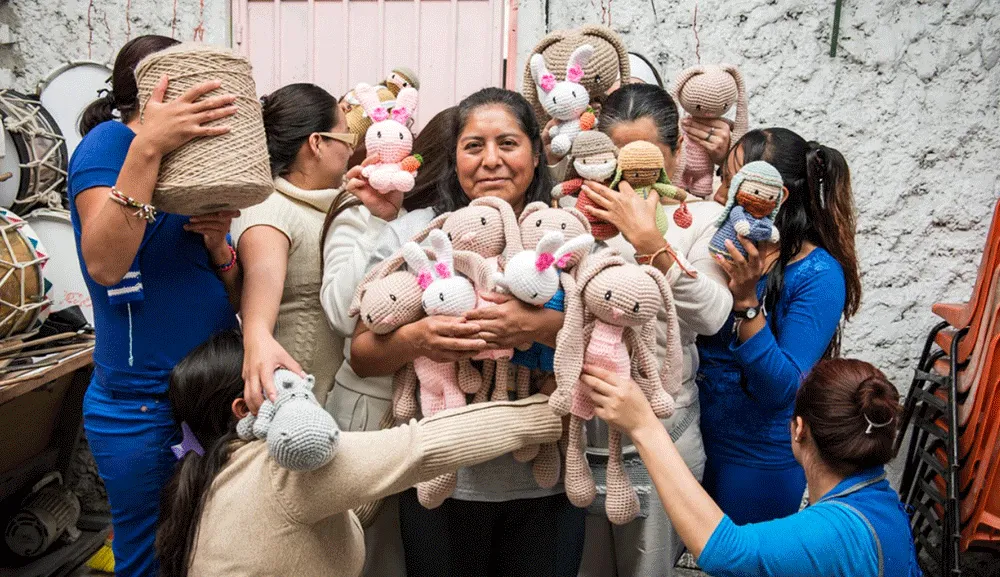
[
  {"x": 130, "y": 436},
  {"x": 751, "y": 495}
]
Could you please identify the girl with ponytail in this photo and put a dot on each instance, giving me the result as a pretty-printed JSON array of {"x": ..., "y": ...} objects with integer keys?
[
  {"x": 226, "y": 492},
  {"x": 844, "y": 423},
  {"x": 788, "y": 301}
]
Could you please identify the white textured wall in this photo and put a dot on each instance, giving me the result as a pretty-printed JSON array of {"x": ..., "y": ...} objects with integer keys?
[
  {"x": 47, "y": 33},
  {"x": 910, "y": 100}
]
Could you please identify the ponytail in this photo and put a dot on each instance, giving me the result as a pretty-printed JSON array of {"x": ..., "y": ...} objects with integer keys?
[
  {"x": 182, "y": 503},
  {"x": 819, "y": 209},
  {"x": 98, "y": 111},
  {"x": 203, "y": 387}
]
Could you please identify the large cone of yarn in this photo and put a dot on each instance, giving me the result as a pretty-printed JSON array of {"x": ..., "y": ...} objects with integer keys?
[{"x": 213, "y": 173}]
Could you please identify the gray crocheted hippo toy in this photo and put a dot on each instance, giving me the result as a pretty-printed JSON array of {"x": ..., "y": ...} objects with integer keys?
[{"x": 300, "y": 435}]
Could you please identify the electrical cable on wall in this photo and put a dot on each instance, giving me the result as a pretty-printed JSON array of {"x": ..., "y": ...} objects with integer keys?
[
  {"x": 199, "y": 30},
  {"x": 90, "y": 32},
  {"x": 697, "y": 41},
  {"x": 173, "y": 22}
]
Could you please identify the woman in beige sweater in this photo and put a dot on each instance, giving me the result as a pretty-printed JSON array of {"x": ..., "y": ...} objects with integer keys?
[
  {"x": 234, "y": 511},
  {"x": 278, "y": 242}
]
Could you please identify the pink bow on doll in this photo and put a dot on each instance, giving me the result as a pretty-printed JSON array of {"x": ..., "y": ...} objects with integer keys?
[{"x": 400, "y": 114}]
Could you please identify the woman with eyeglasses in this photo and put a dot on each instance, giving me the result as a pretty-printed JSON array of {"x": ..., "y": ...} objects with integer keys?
[{"x": 278, "y": 243}]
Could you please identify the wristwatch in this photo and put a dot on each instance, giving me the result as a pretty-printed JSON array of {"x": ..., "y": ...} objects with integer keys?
[{"x": 749, "y": 313}]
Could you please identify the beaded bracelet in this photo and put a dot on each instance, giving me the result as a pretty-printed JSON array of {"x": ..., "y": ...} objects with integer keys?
[
  {"x": 232, "y": 261},
  {"x": 144, "y": 210},
  {"x": 649, "y": 259}
]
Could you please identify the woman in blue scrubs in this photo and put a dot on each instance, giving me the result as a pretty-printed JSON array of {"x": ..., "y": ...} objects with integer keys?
[
  {"x": 160, "y": 284},
  {"x": 844, "y": 423}
]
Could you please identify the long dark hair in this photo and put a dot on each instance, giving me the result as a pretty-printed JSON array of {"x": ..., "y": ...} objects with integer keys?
[
  {"x": 291, "y": 114},
  {"x": 634, "y": 102},
  {"x": 431, "y": 143},
  {"x": 202, "y": 389},
  {"x": 819, "y": 208},
  {"x": 853, "y": 414},
  {"x": 450, "y": 194},
  {"x": 124, "y": 93}
]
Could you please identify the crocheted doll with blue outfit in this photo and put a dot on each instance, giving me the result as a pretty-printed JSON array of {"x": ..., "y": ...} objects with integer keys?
[
  {"x": 300, "y": 435},
  {"x": 755, "y": 196}
]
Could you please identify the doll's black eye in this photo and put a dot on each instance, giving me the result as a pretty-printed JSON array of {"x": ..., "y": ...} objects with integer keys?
[
  {"x": 482, "y": 219},
  {"x": 573, "y": 93},
  {"x": 287, "y": 385},
  {"x": 378, "y": 134},
  {"x": 538, "y": 223},
  {"x": 401, "y": 136},
  {"x": 607, "y": 296},
  {"x": 449, "y": 236},
  {"x": 563, "y": 226},
  {"x": 697, "y": 106},
  {"x": 635, "y": 309},
  {"x": 441, "y": 297},
  {"x": 597, "y": 79},
  {"x": 554, "y": 100},
  {"x": 392, "y": 298}
]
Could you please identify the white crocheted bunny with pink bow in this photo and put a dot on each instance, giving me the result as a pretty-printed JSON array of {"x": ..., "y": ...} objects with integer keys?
[
  {"x": 566, "y": 101},
  {"x": 390, "y": 140}
]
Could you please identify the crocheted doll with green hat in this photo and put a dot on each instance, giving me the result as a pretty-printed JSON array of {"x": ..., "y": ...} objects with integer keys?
[
  {"x": 640, "y": 164},
  {"x": 755, "y": 196}
]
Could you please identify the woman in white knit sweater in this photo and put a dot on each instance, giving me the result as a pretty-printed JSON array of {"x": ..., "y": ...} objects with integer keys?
[
  {"x": 278, "y": 242},
  {"x": 649, "y": 545}
]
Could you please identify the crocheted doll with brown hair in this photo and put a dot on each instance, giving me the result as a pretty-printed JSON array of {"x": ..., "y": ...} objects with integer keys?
[
  {"x": 707, "y": 92},
  {"x": 611, "y": 309},
  {"x": 608, "y": 63},
  {"x": 755, "y": 195},
  {"x": 640, "y": 164},
  {"x": 595, "y": 157},
  {"x": 567, "y": 101},
  {"x": 401, "y": 77}
]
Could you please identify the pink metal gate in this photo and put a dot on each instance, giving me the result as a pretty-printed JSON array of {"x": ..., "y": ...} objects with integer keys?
[{"x": 455, "y": 46}]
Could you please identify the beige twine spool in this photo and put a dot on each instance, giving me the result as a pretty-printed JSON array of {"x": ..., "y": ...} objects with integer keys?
[{"x": 208, "y": 174}]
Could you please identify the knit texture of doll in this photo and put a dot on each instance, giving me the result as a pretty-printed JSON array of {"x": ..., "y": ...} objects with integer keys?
[
  {"x": 594, "y": 158},
  {"x": 755, "y": 196},
  {"x": 357, "y": 121},
  {"x": 640, "y": 164},
  {"x": 300, "y": 435},
  {"x": 400, "y": 78},
  {"x": 708, "y": 92}
]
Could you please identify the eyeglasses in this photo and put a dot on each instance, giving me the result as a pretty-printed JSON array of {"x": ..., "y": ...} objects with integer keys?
[{"x": 348, "y": 138}]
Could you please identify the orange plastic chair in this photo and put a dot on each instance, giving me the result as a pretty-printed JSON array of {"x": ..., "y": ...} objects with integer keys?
[
  {"x": 959, "y": 315},
  {"x": 982, "y": 327}
]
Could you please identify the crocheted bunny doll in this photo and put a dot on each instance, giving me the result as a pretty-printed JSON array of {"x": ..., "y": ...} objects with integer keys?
[
  {"x": 755, "y": 195},
  {"x": 566, "y": 101},
  {"x": 390, "y": 139},
  {"x": 300, "y": 435},
  {"x": 640, "y": 164},
  {"x": 358, "y": 122},
  {"x": 444, "y": 293},
  {"x": 708, "y": 92},
  {"x": 595, "y": 157},
  {"x": 611, "y": 307},
  {"x": 533, "y": 275},
  {"x": 489, "y": 228},
  {"x": 608, "y": 65}
]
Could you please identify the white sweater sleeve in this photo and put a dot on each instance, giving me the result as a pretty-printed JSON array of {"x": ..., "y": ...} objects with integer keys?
[
  {"x": 348, "y": 246},
  {"x": 704, "y": 302}
]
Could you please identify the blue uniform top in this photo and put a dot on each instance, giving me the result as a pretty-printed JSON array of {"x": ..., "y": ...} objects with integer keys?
[
  {"x": 858, "y": 529},
  {"x": 747, "y": 390},
  {"x": 541, "y": 357},
  {"x": 184, "y": 301}
]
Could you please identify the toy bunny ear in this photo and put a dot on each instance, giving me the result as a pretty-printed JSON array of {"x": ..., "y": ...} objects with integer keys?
[
  {"x": 580, "y": 217},
  {"x": 437, "y": 223},
  {"x": 741, "y": 124},
  {"x": 673, "y": 375},
  {"x": 475, "y": 267},
  {"x": 444, "y": 252},
  {"x": 418, "y": 262},
  {"x": 378, "y": 271},
  {"x": 565, "y": 253},
  {"x": 511, "y": 229},
  {"x": 529, "y": 209},
  {"x": 550, "y": 243},
  {"x": 568, "y": 362},
  {"x": 683, "y": 77},
  {"x": 407, "y": 98},
  {"x": 367, "y": 95},
  {"x": 544, "y": 80},
  {"x": 577, "y": 61}
]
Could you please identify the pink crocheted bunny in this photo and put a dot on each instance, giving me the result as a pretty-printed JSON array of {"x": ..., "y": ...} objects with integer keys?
[
  {"x": 489, "y": 228},
  {"x": 566, "y": 101},
  {"x": 444, "y": 293},
  {"x": 390, "y": 139},
  {"x": 611, "y": 308},
  {"x": 708, "y": 92}
]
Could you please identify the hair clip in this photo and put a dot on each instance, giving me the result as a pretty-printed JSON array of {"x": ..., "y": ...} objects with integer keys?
[
  {"x": 872, "y": 425},
  {"x": 188, "y": 443}
]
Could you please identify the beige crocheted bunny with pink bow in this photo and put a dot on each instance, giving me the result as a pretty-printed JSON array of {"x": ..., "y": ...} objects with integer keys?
[{"x": 611, "y": 310}]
